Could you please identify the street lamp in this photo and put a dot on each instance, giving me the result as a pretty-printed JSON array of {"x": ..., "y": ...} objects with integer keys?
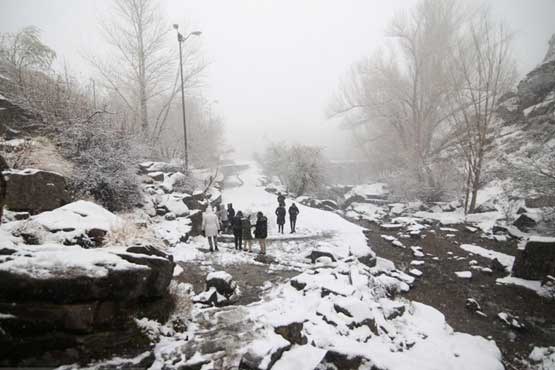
[{"x": 180, "y": 40}]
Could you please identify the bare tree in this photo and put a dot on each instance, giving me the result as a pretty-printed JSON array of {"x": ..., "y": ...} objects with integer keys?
[
  {"x": 483, "y": 71},
  {"x": 141, "y": 63},
  {"x": 402, "y": 97}
]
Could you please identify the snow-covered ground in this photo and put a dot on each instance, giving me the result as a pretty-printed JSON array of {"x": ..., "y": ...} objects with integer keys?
[{"x": 343, "y": 307}]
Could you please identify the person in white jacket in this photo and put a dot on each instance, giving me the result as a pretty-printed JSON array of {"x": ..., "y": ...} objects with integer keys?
[{"x": 210, "y": 227}]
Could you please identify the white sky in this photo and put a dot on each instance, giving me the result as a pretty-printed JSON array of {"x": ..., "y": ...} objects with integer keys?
[{"x": 274, "y": 63}]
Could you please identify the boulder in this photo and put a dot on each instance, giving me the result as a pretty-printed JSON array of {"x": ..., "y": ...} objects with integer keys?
[
  {"x": 524, "y": 222},
  {"x": 314, "y": 255},
  {"x": 66, "y": 304},
  {"x": 336, "y": 360},
  {"x": 536, "y": 260},
  {"x": 540, "y": 201},
  {"x": 196, "y": 222},
  {"x": 472, "y": 305},
  {"x": 487, "y": 206},
  {"x": 223, "y": 282},
  {"x": 35, "y": 191},
  {"x": 293, "y": 332}
]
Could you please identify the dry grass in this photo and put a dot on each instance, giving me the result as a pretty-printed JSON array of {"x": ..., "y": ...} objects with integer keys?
[{"x": 131, "y": 231}]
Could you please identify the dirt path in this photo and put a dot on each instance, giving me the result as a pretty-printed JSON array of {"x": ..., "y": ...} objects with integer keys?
[{"x": 442, "y": 289}]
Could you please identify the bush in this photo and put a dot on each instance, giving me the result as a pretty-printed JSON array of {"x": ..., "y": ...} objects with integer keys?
[{"x": 301, "y": 168}]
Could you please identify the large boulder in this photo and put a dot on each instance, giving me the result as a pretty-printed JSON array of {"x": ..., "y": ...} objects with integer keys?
[
  {"x": 221, "y": 290},
  {"x": 35, "y": 191},
  {"x": 536, "y": 260},
  {"x": 63, "y": 304}
]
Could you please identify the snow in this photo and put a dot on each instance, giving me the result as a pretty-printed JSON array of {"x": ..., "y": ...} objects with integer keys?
[
  {"x": 368, "y": 211},
  {"x": 80, "y": 216},
  {"x": 174, "y": 203},
  {"x": 505, "y": 259},
  {"x": 415, "y": 272},
  {"x": 221, "y": 275},
  {"x": 377, "y": 190},
  {"x": 416, "y": 262},
  {"x": 300, "y": 358},
  {"x": 4, "y": 316},
  {"x": 535, "y": 285},
  {"x": 543, "y": 358},
  {"x": 63, "y": 262},
  {"x": 464, "y": 274}
]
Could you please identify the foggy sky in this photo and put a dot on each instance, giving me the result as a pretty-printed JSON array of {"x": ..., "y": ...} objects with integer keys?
[{"x": 274, "y": 64}]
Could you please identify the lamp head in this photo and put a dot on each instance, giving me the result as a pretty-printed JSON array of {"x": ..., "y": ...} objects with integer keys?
[{"x": 176, "y": 26}]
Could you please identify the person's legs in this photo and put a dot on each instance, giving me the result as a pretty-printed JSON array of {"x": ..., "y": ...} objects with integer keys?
[
  {"x": 240, "y": 244},
  {"x": 216, "y": 242},
  {"x": 236, "y": 240},
  {"x": 262, "y": 246},
  {"x": 210, "y": 243},
  {"x": 291, "y": 225},
  {"x": 294, "y": 224}
]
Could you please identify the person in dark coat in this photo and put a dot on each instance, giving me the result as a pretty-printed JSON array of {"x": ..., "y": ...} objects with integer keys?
[
  {"x": 247, "y": 234},
  {"x": 281, "y": 200},
  {"x": 261, "y": 231},
  {"x": 280, "y": 213},
  {"x": 293, "y": 213},
  {"x": 237, "y": 227}
]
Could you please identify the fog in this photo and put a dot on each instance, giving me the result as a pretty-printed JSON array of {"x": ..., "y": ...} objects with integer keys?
[{"x": 273, "y": 64}]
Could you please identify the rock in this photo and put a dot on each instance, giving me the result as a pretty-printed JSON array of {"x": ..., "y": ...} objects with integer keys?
[
  {"x": 541, "y": 201},
  {"x": 169, "y": 216},
  {"x": 74, "y": 274},
  {"x": 72, "y": 304},
  {"x": 174, "y": 203},
  {"x": 472, "y": 305},
  {"x": 337, "y": 360},
  {"x": 292, "y": 332},
  {"x": 524, "y": 222},
  {"x": 19, "y": 216},
  {"x": 196, "y": 222},
  {"x": 35, "y": 191},
  {"x": 314, "y": 255},
  {"x": 263, "y": 354},
  {"x": 161, "y": 211},
  {"x": 497, "y": 266},
  {"x": 297, "y": 284},
  {"x": 511, "y": 320},
  {"x": 156, "y": 176},
  {"x": 499, "y": 230},
  {"x": 368, "y": 260},
  {"x": 487, "y": 206},
  {"x": 223, "y": 282},
  {"x": 536, "y": 260}
]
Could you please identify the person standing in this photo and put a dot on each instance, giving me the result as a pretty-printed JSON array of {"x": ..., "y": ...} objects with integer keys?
[
  {"x": 222, "y": 216},
  {"x": 261, "y": 231},
  {"x": 247, "y": 234},
  {"x": 237, "y": 227},
  {"x": 280, "y": 213},
  {"x": 230, "y": 212},
  {"x": 293, "y": 213},
  {"x": 281, "y": 200},
  {"x": 210, "y": 227}
]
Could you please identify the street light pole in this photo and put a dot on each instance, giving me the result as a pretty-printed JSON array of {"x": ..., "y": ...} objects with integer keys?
[{"x": 180, "y": 40}]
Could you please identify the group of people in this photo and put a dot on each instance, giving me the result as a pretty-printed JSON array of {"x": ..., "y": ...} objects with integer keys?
[
  {"x": 240, "y": 225},
  {"x": 229, "y": 221},
  {"x": 281, "y": 213}
]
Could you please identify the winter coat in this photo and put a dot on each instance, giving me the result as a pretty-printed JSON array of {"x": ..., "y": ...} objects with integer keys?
[
  {"x": 236, "y": 223},
  {"x": 246, "y": 228},
  {"x": 210, "y": 223},
  {"x": 280, "y": 213},
  {"x": 261, "y": 228},
  {"x": 230, "y": 213},
  {"x": 293, "y": 212},
  {"x": 281, "y": 200},
  {"x": 222, "y": 215}
]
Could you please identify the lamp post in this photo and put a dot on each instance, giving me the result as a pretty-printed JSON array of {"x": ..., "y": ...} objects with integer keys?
[{"x": 180, "y": 40}]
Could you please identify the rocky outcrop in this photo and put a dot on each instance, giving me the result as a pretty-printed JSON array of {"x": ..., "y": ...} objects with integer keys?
[
  {"x": 63, "y": 304},
  {"x": 536, "y": 260},
  {"x": 35, "y": 191}
]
